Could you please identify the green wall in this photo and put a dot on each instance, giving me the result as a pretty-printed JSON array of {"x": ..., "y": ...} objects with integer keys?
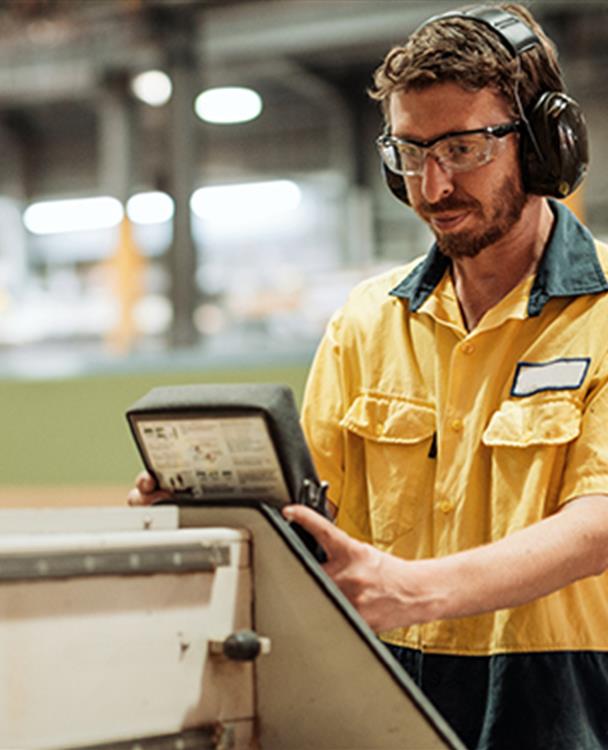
[{"x": 73, "y": 431}]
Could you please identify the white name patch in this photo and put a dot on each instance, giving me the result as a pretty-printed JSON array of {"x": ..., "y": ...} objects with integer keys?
[{"x": 557, "y": 375}]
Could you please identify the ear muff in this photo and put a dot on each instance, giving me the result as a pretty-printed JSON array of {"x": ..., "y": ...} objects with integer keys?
[
  {"x": 555, "y": 154},
  {"x": 554, "y": 145}
]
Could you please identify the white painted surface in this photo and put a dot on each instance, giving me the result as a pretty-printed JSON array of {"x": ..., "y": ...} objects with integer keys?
[
  {"x": 91, "y": 660},
  {"x": 62, "y": 520}
]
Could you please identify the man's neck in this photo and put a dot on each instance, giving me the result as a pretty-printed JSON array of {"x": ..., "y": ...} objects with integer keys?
[{"x": 481, "y": 282}]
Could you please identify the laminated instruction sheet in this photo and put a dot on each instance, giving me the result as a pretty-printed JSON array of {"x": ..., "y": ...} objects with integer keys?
[{"x": 214, "y": 457}]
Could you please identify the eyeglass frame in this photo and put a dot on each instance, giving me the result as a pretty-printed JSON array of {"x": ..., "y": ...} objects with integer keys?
[{"x": 496, "y": 131}]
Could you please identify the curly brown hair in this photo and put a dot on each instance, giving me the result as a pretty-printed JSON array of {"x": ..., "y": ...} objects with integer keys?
[{"x": 472, "y": 55}]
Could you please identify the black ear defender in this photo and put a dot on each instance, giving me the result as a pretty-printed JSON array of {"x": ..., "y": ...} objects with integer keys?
[{"x": 554, "y": 149}]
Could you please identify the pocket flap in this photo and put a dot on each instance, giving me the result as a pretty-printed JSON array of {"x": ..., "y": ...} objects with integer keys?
[
  {"x": 533, "y": 423},
  {"x": 389, "y": 420}
]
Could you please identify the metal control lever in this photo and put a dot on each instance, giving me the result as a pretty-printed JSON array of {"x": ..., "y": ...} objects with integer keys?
[{"x": 314, "y": 495}]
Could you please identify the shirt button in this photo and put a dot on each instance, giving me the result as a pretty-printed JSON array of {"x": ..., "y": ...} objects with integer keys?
[
  {"x": 456, "y": 424},
  {"x": 379, "y": 428},
  {"x": 467, "y": 348},
  {"x": 446, "y": 506}
]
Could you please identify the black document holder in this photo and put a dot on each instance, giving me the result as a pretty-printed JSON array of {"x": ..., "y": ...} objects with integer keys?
[{"x": 269, "y": 413}]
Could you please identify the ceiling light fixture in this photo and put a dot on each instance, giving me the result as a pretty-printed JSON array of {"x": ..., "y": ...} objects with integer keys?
[
  {"x": 154, "y": 207},
  {"x": 229, "y": 104},
  {"x": 153, "y": 87},
  {"x": 253, "y": 202},
  {"x": 74, "y": 215}
]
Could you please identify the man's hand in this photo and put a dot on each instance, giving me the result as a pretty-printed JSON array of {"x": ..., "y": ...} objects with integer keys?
[
  {"x": 381, "y": 587},
  {"x": 145, "y": 491},
  {"x": 532, "y": 562}
]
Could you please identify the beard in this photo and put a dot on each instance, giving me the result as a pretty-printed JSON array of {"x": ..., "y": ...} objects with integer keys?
[{"x": 499, "y": 217}]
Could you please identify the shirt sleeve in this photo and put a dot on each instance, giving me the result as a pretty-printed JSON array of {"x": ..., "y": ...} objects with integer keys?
[
  {"x": 323, "y": 409},
  {"x": 586, "y": 471}
]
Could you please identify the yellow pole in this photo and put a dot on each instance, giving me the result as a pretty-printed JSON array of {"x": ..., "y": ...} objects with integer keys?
[{"x": 126, "y": 266}]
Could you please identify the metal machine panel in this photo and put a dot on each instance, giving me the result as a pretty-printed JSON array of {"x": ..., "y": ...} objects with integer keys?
[
  {"x": 144, "y": 640},
  {"x": 104, "y": 637},
  {"x": 328, "y": 682}
]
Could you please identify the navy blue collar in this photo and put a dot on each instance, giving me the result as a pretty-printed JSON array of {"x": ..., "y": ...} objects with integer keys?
[{"x": 569, "y": 267}]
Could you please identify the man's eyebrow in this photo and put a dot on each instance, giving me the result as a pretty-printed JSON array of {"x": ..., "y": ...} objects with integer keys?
[
  {"x": 420, "y": 139},
  {"x": 426, "y": 142},
  {"x": 432, "y": 139},
  {"x": 406, "y": 136}
]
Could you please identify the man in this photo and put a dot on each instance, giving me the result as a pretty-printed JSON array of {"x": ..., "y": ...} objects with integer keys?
[
  {"x": 457, "y": 406},
  {"x": 458, "y": 409}
]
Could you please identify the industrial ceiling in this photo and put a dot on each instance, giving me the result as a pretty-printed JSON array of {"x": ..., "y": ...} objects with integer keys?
[{"x": 311, "y": 60}]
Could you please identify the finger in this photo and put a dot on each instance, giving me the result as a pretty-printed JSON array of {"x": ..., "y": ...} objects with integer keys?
[
  {"x": 145, "y": 483},
  {"x": 135, "y": 497},
  {"x": 306, "y": 517},
  {"x": 332, "y": 540}
]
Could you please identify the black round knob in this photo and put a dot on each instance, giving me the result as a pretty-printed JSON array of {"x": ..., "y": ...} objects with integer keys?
[{"x": 244, "y": 645}]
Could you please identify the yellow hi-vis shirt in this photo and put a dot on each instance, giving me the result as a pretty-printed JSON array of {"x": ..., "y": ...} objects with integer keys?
[{"x": 435, "y": 439}]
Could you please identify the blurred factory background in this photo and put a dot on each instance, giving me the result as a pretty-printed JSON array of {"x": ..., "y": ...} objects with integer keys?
[{"x": 154, "y": 231}]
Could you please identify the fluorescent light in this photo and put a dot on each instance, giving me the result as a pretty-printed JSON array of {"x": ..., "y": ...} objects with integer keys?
[
  {"x": 152, "y": 87},
  {"x": 252, "y": 202},
  {"x": 228, "y": 104},
  {"x": 75, "y": 215},
  {"x": 150, "y": 208}
]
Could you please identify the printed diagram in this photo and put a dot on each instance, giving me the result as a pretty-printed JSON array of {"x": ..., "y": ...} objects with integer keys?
[{"x": 214, "y": 457}]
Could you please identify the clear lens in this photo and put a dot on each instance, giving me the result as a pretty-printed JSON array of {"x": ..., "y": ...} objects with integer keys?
[
  {"x": 463, "y": 152},
  {"x": 412, "y": 158},
  {"x": 458, "y": 153},
  {"x": 390, "y": 156}
]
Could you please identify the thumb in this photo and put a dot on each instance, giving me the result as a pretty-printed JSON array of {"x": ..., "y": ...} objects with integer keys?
[{"x": 333, "y": 540}]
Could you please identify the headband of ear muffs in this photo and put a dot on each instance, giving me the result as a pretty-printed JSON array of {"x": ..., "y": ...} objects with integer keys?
[{"x": 554, "y": 148}]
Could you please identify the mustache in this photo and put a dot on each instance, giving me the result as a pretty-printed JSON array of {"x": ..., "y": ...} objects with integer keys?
[{"x": 451, "y": 203}]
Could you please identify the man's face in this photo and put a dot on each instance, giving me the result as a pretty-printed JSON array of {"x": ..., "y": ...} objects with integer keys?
[{"x": 467, "y": 211}]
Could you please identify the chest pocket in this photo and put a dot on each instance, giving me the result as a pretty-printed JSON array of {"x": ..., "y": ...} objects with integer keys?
[
  {"x": 527, "y": 424},
  {"x": 397, "y": 473},
  {"x": 528, "y": 444}
]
